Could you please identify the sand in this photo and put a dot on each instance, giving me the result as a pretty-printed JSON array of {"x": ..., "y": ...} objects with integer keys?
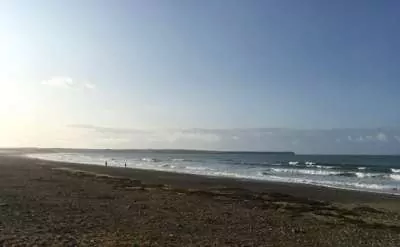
[{"x": 57, "y": 204}]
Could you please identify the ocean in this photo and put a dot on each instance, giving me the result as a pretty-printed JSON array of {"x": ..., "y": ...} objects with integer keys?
[{"x": 355, "y": 172}]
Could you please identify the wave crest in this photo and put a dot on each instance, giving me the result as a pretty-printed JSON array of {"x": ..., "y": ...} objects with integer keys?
[
  {"x": 395, "y": 170},
  {"x": 150, "y": 160},
  {"x": 395, "y": 176},
  {"x": 305, "y": 171}
]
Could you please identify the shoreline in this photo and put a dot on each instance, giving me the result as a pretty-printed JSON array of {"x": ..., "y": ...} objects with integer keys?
[
  {"x": 248, "y": 180},
  {"x": 49, "y": 203},
  {"x": 311, "y": 191}
]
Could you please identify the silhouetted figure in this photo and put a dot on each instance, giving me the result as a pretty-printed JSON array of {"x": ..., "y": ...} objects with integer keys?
[
  {"x": 125, "y": 164},
  {"x": 106, "y": 163}
]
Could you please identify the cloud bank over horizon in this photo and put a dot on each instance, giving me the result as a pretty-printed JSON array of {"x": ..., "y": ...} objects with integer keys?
[{"x": 318, "y": 141}]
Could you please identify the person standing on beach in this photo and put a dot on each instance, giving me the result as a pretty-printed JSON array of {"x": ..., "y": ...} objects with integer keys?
[
  {"x": 106, "y": 163},
  {"x": 125, "y": 164}
]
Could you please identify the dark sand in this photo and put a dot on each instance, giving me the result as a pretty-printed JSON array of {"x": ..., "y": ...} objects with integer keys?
[{"x": 44, "y": 203}]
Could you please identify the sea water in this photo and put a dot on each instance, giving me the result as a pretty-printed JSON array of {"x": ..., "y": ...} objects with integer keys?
[{"x": 356, "y": 172}]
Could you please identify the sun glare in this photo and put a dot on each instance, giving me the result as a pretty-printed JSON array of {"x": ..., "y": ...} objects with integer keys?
[{"x": 14, "y": 102}]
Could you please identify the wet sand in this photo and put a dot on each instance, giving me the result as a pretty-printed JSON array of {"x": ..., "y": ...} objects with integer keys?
[{"x": 58, "y": 204}]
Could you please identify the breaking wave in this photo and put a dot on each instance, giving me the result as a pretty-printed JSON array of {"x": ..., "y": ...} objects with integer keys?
[
  {"x": 345, "y": 174},
  {"x": 395, "y": 170}
]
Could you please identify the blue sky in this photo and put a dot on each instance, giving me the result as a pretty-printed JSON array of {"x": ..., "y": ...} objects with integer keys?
[{"x": 158, "y": 66}]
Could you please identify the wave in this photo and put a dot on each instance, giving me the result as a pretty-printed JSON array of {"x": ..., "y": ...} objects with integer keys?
[
  {"x": 368, "y": 175},
  {"x": 197, "y": 168},
  {"x": 178, "y": 160},
  {"x": 395, "y": 170},
  {"x": 305, "y": 171},
  {"x": 342, "y": 185},
  {"x": 347, "y": 174},
  {"x": 182, "y": 160},
  {"x": 378, "y": 187},
  {"x": 328, "y": 173},
  {"x": 378, "y": 178},
  {"x": 150, "y": 160},
  {"x": 168, "y": 166},
  {"x": 395, "y": 176},
  {"x": 361, "y": 175},
  {"x": 309, "y": 164},
  {"x": 320, "y": 166}
]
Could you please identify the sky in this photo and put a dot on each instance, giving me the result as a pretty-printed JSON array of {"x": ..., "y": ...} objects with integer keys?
[{"x": 306, "y": 76}]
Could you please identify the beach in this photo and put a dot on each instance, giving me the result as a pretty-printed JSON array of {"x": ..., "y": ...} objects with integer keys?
[{"x": 47, "y": 203}]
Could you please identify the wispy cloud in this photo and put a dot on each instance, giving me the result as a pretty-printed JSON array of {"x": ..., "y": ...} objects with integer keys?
[
  {"x": 67, "y": 82},
  {"x": 89, "y": 85},
  {"x": 170, "y": 135},
  {"x": 206, "y": 137},
  {"x": 106, "y": 130},
  {"x": 381, "y": 137},
  {"x": 59, "y": 82}
]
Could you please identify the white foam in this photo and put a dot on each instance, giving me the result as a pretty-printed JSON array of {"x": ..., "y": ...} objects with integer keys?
[
  {"x": 198, "y": 168},
  {"x": 368, "y": 175},
  {"x": 180, "y": 160},
  {"x": 168, "y": 166},
  {"x": 336, "y": 184},
  {"x": 360, "y": 174},
  {"x": 149, "y": 159},
  {"x": 341, "y": 185},
  {"x": 361, "y": 168},
  {"x": 293, "y": 163},
  {"x": 395, "y": 170},
  {"x": 395, "y": 176},
  {"x": 315, "y": 175},
  {"x": 319, "y": 166},
  {"x": 305, "y": 171},
  {"x": 371, "y": 186}
]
